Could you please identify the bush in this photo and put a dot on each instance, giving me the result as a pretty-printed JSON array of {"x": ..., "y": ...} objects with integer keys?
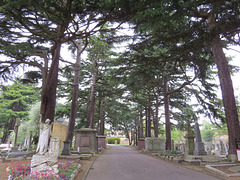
[{"x": 111, "y": 140}]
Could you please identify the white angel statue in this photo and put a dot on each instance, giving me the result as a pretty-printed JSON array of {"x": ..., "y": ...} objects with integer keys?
[{"x": 44, "y": 135}]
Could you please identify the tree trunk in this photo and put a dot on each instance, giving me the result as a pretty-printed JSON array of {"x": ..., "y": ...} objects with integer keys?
[
  {"x": 167, "y": 116},
  {"x": 146, "y": 122},
  {"x": 48, "y": 100},
  {"x": 101, "y": 115},
  {"x": 91, "y": 106},
  {"x": 156, "y": 117},
  {"x": 140, "y": 124},
  {"x": 75, "y": 90},
  {"x": 227, "y": 95},
  {"x": 229, "y": 102},
  {"x": 149, "y": 120}
]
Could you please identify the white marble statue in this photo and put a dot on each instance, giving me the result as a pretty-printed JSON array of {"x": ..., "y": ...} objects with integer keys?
[{"x": 44, "y": 136}]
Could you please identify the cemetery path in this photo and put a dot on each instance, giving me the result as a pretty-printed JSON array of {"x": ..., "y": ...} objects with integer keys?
[{"x": 118, "y": 163}]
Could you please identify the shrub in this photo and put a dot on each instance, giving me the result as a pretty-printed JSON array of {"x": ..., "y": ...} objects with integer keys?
[{"x": 111, "y": 140}]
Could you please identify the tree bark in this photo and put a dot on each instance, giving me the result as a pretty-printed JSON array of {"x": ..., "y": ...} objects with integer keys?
[
  {"x": 91, "y": 106},
  {"x": 101, "y": 115},
  {"x": 149, "y": 118},
  {"x": 140, "y": 132},
  {"x": 167, "y": 116},
  {"x": 146, "y": 122},
  {"x": 224, "y": 75},
  {"x": 48, "y": 100},
  {"x": 75, "y": 90},
  {"x": 156, "y": 123},
  {"x": 227, "y": 95}
]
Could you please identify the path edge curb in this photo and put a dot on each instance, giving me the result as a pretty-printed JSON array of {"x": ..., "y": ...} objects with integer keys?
[{"x": 87, "y": 171}]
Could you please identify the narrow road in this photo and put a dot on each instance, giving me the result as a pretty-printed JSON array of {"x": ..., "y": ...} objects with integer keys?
[{"x": 124, "y": 163}]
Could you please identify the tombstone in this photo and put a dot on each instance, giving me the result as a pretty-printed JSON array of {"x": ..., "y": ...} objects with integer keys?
[
  {"x": 217, "y": 148},
  {"x": 153, "y": 144},
  {"x": 141, "y": 143},
  {"x": 182, "y": 148},
  {"x": 17, "y": 124},
  {"x": 172, "y": 145},
  {"x": 47, "y": 162},
  {"x": 66, "y": 148},
  {"x": 86, "y": 141},
  {"x": 30, "y": 142},
  {"x": 60, "y": 130},
  {"x": 199, "y": 145},
  {"x": 189, "y": 149},
  {"x": 102, "y": 142}
]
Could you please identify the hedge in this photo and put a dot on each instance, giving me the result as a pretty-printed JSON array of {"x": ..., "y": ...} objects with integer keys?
[{"x": 111, "y": 140}]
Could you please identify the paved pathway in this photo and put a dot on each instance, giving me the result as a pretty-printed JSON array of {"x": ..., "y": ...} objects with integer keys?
[{"x": 124, "y": 163}]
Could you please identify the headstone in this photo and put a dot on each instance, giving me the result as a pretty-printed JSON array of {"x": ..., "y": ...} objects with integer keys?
[
  {"x": 141, "y": 143},
  {"x": 86, "y": 141},
  {"x": 102, "y": 142},
  {"x": 153, "y": 144},
  {"x": 60, "y": 130},
  {"x": 182, "y": 148},
  {"x": 47, "y": 162},
  {"x": 189, "y": 141},
  {"x": 17, "y": 124},
  {"x": 30, "y": 141},
  {"x": 199, "y": 145}
]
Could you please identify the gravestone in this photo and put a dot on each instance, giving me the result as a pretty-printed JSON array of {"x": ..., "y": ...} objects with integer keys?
[
  {"x": 30, "y": 141},
  {"x": 153, "y": 144},
  {"x": 199, "y": 145},
  {"x": 17, "y": 124},
  {"x": 141, "y": 143},
  {"x": 47, "y": 162},
  {"x": 60, "y": 130},
  {"x": 102, "y": 142},
  {"x": 86, "y": 141},
  {"x": 189, "y": 149}
]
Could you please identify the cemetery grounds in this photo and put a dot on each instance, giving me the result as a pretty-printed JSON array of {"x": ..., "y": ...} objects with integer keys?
[{"x": 86, "y": 165}]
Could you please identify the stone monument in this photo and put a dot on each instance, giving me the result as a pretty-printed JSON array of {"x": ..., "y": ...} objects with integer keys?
[
  {"x": 86, "y": 141},
  {"x": 17, "y": 124},
  {"x": 199, "y": 145},
  {"x": 46, "y": 159},
  {"x": 47, "y": 162},
  {"x": 153, "y": 144},
  {"x": 189, "y": 141}
]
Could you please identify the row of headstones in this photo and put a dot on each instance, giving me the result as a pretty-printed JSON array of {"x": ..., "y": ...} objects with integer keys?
[{"x": 188, "y": 147}]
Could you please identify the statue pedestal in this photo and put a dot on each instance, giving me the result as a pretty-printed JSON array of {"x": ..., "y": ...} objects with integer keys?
[
  {"x": 189, "y": 144},
  {"x": 66, "y": 148}
]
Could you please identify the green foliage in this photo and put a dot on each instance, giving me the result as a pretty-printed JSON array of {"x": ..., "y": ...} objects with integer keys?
[
  {"x": 177, "y": 135},
  {"x": 111, "y": 140},
  {"x": 15, "y": 102},
  {"x": 31, "y": 125},
  {"x": 211, "y": 131}
]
